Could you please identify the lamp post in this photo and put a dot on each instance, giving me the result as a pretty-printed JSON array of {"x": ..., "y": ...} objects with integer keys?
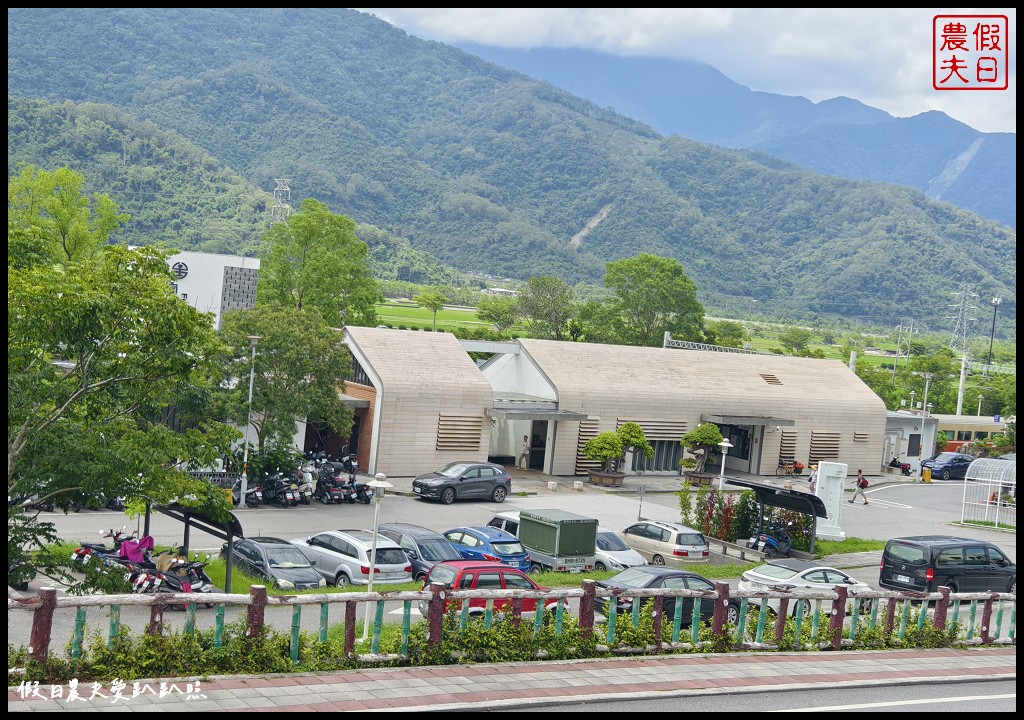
[
  {"x": 913, "y": 393},
  {"x": 980, "y": 398},
  {"x": 927, "y": 381},
  {"x": 725, "y": 445},
  {"x": 253, "y": 339},
  {"x": 992, "y": 336},
  {"x": 379, "y": 484}
]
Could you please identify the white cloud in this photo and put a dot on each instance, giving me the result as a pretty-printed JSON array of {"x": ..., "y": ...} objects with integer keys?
[{"x": 882, "y": 57}]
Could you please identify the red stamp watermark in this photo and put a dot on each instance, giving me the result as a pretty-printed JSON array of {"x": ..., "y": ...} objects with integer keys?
[{"x": 970, "y": 52}]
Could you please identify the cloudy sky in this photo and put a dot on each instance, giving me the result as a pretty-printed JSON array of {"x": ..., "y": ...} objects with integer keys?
[{"x": 881, "y": 57}]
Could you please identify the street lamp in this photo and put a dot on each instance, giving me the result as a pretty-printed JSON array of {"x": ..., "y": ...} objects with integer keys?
[
  {"x": 725, "y": 445},
  {"x": 379, "y": 484},
  {"x": 253, "y": 339},
  {"x": 980, "y": 398},
  {"x": 991, "y": 338},
  {"x": 927, "y": 381}
]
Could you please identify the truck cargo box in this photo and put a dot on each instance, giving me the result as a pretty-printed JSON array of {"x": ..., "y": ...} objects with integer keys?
[{"x": 558, "y": 532}]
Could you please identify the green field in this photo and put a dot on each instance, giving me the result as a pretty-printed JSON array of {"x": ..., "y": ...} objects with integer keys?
[{"x": 399, "y": 314}]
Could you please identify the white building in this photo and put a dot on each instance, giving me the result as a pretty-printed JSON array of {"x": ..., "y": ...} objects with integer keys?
[{"x": 215, "y": 283}]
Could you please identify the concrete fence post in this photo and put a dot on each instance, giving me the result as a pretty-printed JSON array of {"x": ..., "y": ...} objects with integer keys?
[
  {"x": 835, "y": 625},
  {"x": 435, "y": 614},
  {"x": 986, "y": 622},
  {"x": 780, "y": 619},
  {"x": 721, "y": 612}
]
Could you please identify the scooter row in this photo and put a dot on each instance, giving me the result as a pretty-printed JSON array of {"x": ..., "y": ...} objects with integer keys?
[
  {"x": 317, "y": 479},
  {"x": 147, "y": 573}
]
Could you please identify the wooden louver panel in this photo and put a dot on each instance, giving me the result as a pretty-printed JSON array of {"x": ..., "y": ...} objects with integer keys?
[
  {"x": 824, "y": 446},
  {"x": 459, "y": 432},
  {"x": 658, "y": 429},
  {"x": 787, "y": 446},
  {"x": 588, "y": 430}
]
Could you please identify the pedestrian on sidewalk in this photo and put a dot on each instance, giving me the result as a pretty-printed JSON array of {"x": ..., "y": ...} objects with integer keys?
[
  {"x": 860, "y": 486},
  {"x": 812, "y": 481},
  {"x": 524, "y": 454}
]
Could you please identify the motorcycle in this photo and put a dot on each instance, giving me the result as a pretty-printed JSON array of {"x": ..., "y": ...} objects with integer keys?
[
  {"x": 360, "y": 490},
  {"x": 348, "y": 461},
  {"x": 86, "y": 552},
  {"x": 903, "y": 467},
  {"x": 253, "y": 494},
  {"x": 305, "y": 484},
  {"x": 329, "y": 487},
  {"x": 774, "y": 543}
]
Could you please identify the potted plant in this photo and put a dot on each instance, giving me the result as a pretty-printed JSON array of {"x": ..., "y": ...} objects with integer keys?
[
  {"x": 610, "y": 448},
  {"x": 700, "y": 442}
]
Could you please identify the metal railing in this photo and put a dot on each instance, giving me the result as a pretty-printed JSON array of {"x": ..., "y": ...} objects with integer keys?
[{"x": 889, "y": 610}]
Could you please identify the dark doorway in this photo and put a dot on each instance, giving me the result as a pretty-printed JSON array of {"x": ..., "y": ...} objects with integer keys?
[{"x": 538, "y": 444}]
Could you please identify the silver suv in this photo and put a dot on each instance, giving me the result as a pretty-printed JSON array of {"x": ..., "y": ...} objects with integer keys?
[
  {"x": 665, "y": 543},
  {"x": 343, "y": 557}
]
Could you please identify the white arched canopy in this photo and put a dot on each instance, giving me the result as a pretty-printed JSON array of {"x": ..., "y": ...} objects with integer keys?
[{"x": 990, "y": 493}]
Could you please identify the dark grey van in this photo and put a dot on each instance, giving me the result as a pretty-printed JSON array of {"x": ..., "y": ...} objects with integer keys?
[{"x": 926, "y": 562}]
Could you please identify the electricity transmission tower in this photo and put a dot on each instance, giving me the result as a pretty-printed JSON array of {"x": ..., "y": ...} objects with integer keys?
[
  {"x": 903, "y": 336},
  {"x": 282, "y": 196},
  {"x": 963, "y": 323}
]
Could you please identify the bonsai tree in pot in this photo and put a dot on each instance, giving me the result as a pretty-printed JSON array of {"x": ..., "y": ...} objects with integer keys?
[
  {"x": 701, "y": 442},
  {"x": 610, "y": 448}
]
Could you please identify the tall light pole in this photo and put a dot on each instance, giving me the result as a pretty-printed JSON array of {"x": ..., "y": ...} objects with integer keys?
[
  {"x": 253, "y": 339},
  {"x": 927, "y": 381},
  {"x": 992, "y": 336},
  {"x": 725, "y": 445},
  {"x": 379, "y": 484},
  {"x": 980, "y": 398}
]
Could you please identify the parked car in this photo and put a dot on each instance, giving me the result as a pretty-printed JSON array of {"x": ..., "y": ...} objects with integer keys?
[
  {"x": 792, "y": 574},
  {"x": 464, "y": 481},
  {"x": 424, "y": 547},
  {"x": 928, "y": 562},
  {"x": 949, "y": 465},
  {"x": 613, "y": 553},
  {"x": 486, "y": 575},
  {"x": 665, "y": 543},
  {"x": 489, "y": 543},
  {"x": 343, "y": 557},
  {"x": 275, "y": 560},
  {"x": 653, "y": 576}
]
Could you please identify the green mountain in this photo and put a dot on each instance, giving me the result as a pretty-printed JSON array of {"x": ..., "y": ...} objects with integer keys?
[{"x": 488, "y": 170}]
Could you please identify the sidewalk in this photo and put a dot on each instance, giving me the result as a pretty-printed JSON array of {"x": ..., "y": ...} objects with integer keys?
[{"x": 534, "y": 684}]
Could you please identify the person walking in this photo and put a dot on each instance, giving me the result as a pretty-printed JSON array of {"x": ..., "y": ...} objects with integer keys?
[
  {"x": 860, "y": 486},
  {"x": 812, "y": 481},
  {"x": 524, "y": 454}
]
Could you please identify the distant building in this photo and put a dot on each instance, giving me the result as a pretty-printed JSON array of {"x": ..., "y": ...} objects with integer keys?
[
  {"x": 501, "y": 291},
  {"x": 215, "y": 283}
]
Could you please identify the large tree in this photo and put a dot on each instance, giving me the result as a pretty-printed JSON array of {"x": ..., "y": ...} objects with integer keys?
[
  {"x": 653, "y": 295},
  {"x": 547, "y": 305},
  {"x": 316, "y": 261},
  {"x": 299, "y": 365},
  {"x": 49, "y": 214},
  {"x": 432, "y": 300},
  {"x": 501, "y": 312}
]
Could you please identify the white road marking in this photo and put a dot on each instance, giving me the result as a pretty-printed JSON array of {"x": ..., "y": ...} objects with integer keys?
[{"x": 899, "y": 703}]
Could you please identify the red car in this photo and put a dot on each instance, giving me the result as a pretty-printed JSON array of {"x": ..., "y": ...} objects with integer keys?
[{"x": 483, "y": 575}]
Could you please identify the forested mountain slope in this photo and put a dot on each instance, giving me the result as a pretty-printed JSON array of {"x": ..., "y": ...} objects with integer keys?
[{"x": 492, "y": 171}]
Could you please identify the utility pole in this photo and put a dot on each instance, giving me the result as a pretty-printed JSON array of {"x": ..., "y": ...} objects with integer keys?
[{"x": 963, "y": 322}]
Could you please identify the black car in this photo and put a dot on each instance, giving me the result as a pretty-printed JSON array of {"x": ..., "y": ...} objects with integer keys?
[
  {"x": 424, "y": 547},
  {"x": 925, "y": 563},
  {"x": 275, "y": 560},
  {"x": 659, "y": 576},
  {"x": 464, "y": 481}
]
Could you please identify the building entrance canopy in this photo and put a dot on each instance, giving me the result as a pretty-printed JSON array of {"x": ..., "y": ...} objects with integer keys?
[{"x": 523, "y": 412}]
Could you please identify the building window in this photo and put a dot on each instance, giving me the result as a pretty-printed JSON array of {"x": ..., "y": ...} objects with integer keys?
[
  {"x": 964, "y": 435},
  {"x": 359, "y": 376},
  {"x": 979, "y": 435},
  {"x": 914, "y": 445},
  {"x": 666, "y": 457}
]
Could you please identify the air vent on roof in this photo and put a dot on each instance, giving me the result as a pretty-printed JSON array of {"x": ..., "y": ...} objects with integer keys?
[{"x": 771, "y": 379}]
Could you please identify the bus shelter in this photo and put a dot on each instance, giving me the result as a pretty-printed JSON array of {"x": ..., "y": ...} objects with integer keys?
[{"x": 990, "y": 493}]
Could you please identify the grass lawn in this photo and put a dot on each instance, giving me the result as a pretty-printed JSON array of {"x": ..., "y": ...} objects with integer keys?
[{"x": 398, "y": 314}]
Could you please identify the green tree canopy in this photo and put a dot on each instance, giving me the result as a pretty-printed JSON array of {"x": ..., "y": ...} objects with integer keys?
[
  {"x": 610, "y": 448},
  {"x": 49, "y": 213},
  {"x": 654, "y": 296},
  {"x": 431, "y": 300},
  {"x": 299, "y": 366},
  {"x": 316, "y": 261},
  {"x": 501, "y": 312},
  {"x": 97, "y": 349},
  {"x": 547, "y": 305},
  {"x": 701, "y": 442}
]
